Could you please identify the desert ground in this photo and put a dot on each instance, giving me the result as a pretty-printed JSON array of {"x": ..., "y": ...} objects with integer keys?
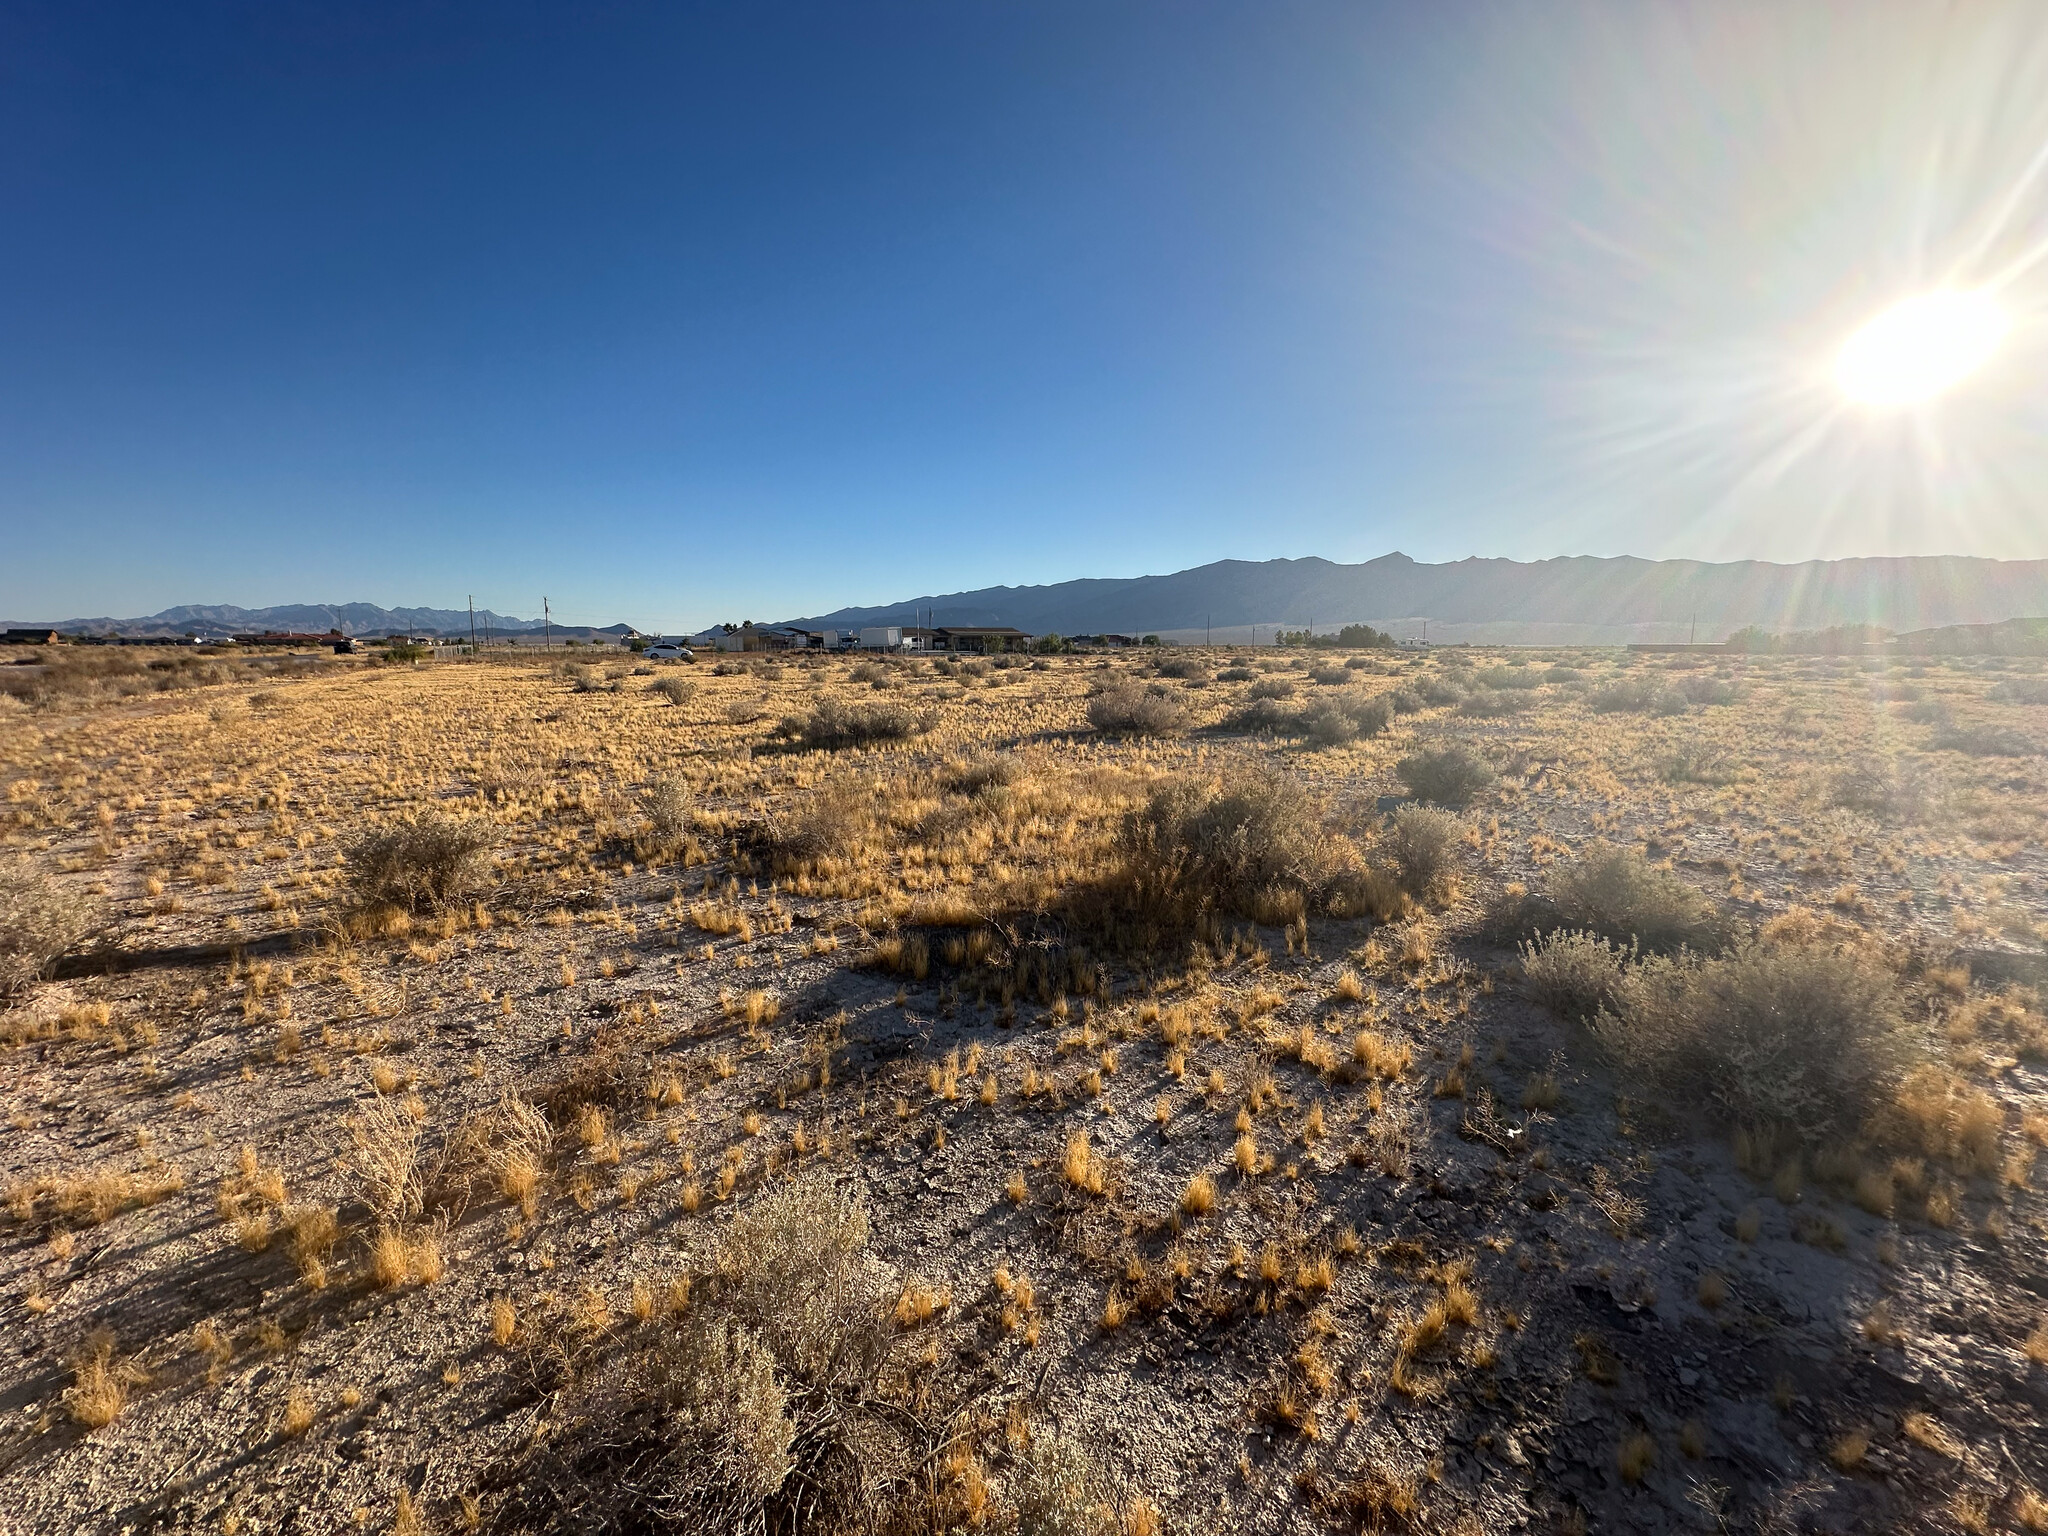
[{"x": 1188, "y": 1090}]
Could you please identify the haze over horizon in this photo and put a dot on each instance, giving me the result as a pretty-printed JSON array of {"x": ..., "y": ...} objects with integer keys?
[{"x": 687, "y": 315}]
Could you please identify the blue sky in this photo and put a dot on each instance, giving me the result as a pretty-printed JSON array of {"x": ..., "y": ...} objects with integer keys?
[{"x": 678, "y": 313}]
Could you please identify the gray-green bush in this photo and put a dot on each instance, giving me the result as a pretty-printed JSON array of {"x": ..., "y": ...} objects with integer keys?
[
  {"x": 1450, "y": 775},
  {"x": 1795, "y": 1041},
  {"x": 1422, "y": 843},
  {"x": 430, "y": 861},
  {"x": 1573, "y": 974},
  {"x": 1132, "y": 710},
  {"x": 40, "y": 920},
  {"x": 1618, "y": 894}
]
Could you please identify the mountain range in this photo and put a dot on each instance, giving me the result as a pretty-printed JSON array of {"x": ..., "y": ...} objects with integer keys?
[
  {"x": 210, "y": 620},
  {"x": 1571, "y": 600}
]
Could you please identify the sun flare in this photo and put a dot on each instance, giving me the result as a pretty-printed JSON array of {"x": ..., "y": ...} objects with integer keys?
[{"x": 1920, "y": 348}]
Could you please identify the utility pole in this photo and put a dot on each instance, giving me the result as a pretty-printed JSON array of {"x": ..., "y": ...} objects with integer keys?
[
  {"x": 547, "y": 623},
  {"x": 1205, "y": 631},
  {"x": 472, "y": 625}
]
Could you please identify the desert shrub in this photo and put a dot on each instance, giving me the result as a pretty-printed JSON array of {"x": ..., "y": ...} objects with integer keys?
[
  {"x": 1636, "y": 695},
  {"x": 833, "y": 725},
  {"x": 830, "y": 823},
  {"x": 1328, "y": 727},
  {"x": 761, "y": 1406},
  {"x": 1371, "y": 713},
  {"x": 1698, "y": 765},
  {"x": 1981, "y": 741},
  {"x": 671, "y": 811},
  {"x": 1405, "y": 701},
  {"x": 429, "y": 861},
  {"x": 1055, "y": 1488},
  {"x": 1938, "y": 1114},
  {"x": 1333, "y": 722},
  {"x": 1183, "y": 667},
  {"x": 1262, "y": 715},
  {"x": 1573, "y": 974},
  {"x": 1562, "y": 674},
  {"x": 585, "y": 679},
  {"x": 1619, "y": 895},
  {"x": 1272, "y": 688},
  {"x": 1197, "y": 848},
  {"x": 1422, "y": 845},
  {"x": 1887, "y": 791},
  {"x": 1328, "y": 677},
  {"x": 1444, "y": 775},
  {"x": 1491, "y": 704},
  {"x": 1784, "y": 1040},
  {"x": 1236, "y": 675},
  {"x": 1706, "y": 691},
  {"x": 872, "y": 672},
  {"x": 39, "y": 921},
  {"x": 1434, "y": 692},
  {"x": 677, "y": 690},
  {"x": 1129, "y": 710},
  {"x": 2020, "y": 690},
  {"x": 990, "y": 770},
  {"x": 1506, "y": 677}
]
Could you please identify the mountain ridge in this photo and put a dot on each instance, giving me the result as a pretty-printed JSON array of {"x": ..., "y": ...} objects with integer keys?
[
  {"x": 1579, "y": 591},
  {"x": 216, "y": 619}
]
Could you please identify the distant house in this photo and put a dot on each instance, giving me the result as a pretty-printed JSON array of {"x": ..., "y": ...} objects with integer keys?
[
  {"x": 29, "y": 637},
  {"x": 980, "y": 637},
  {"x": 1104, "y": 642},
  {"x": 279, "y": 638},
  {"x": 752, "y": 637}
]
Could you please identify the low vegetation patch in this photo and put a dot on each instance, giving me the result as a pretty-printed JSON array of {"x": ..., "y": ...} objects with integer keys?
[
  {"x": 1792, "y": 1041},
  {"x": 431, "y": 861},
  {"x": 1574, "y": 974},
  {"x": 1241, "y": 846},
  {"x": 1451, "y": 775},
  {"x": 39, "y": 921},
  {"x": 1130, "y": 709},
  {"x": 1618, "y": 895},
  {"x": 835, "y": 724}
]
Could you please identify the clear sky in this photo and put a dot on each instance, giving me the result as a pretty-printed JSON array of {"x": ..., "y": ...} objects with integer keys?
[{"x": 678, "y": 313}]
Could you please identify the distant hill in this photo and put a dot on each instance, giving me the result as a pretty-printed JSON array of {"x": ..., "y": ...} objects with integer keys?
[
  {"x": 307, "y": 618},
  {"x": 1572, "y": 600}
]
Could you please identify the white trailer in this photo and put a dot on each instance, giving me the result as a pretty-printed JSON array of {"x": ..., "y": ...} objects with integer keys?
[{"x": 886, "y": 638}]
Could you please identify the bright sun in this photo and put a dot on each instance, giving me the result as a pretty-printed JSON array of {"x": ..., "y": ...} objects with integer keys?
[{"x": 1920, "y": 347}]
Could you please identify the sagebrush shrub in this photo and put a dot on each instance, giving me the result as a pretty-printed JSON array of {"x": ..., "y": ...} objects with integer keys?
[
  {"x": 1450, "y": 775},
  {"x": 1573, "y": 974},
  {"x": 671, "y": 809},
  {"x": 1131, "y": 710},
  {"x": 1618, "y": 894},
  {"x": 429, "y": 861},
  {"x": 1056, "y": 1489},
  {"x": 834, "y": 724},
  {"x": 1198, "y": 848},
  {"x": 756, "y": 1408},
  {"x": 39, "y": 921},
  {"x": 1636, "y": 695},
  {"x": 1422, "y": 845},
  {"x": 1786, "y": 1040}
]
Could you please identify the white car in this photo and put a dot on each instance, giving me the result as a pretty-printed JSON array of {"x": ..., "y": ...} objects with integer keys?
[{"x": 666, "y": 651}]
